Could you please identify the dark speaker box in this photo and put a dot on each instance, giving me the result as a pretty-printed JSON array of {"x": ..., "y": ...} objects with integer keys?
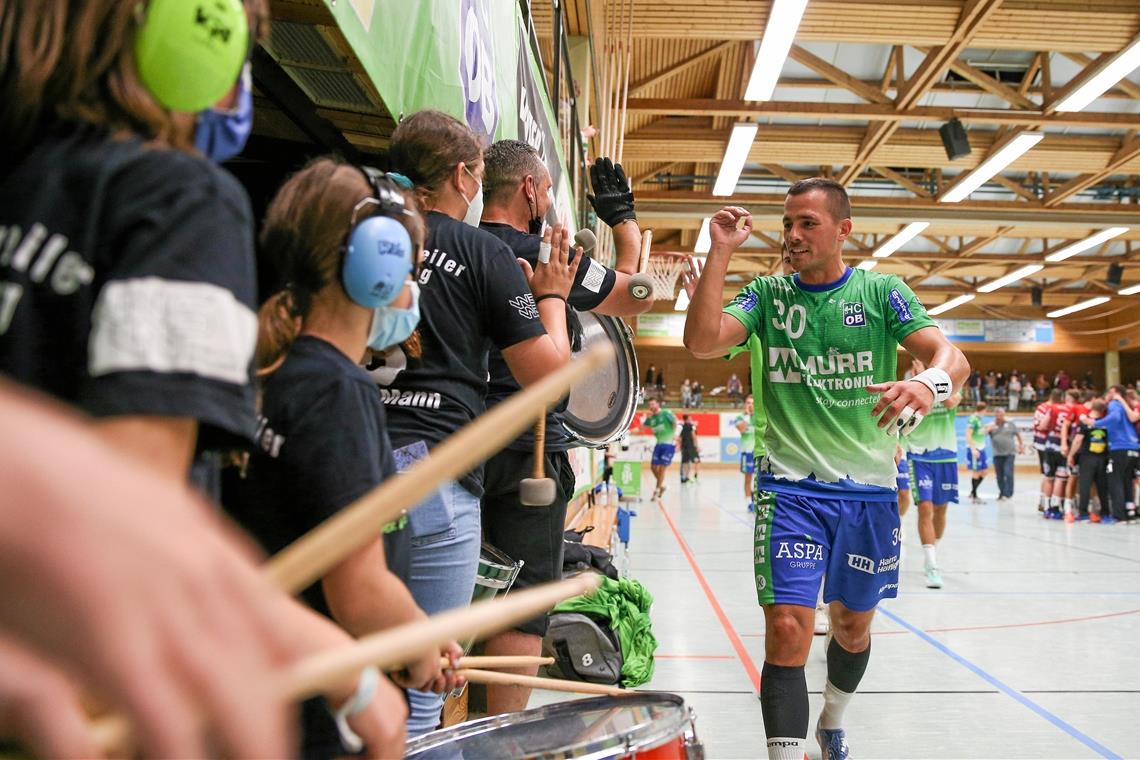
[
  {"x": 1115, "y": 274},
  {"x": 954, "y": 139},
  {"x": 1035, "y": 295}
]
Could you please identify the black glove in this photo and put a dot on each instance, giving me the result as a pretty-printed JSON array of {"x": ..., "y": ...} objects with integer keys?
[{"x": 612, "y": 199}]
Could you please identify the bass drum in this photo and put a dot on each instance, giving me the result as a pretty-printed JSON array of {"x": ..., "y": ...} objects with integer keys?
[{"x": 600, "y": 409}]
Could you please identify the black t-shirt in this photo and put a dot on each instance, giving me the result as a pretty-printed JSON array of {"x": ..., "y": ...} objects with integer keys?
[
  {"x": 127, "y": 282},
  {"x": 592, "y": 283},
  {"x": 320, "y": 446},
  {"x": 474, "y": 296},
  {"x": 1094, "y": 441}
]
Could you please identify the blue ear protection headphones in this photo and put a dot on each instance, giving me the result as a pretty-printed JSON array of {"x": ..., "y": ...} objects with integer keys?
[{"x": 378, "y": 257}]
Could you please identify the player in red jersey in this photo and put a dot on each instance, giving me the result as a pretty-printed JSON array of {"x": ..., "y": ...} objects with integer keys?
[
  {"x": 1043, "y": 419},
  {"x": 1075, "y": 409}
]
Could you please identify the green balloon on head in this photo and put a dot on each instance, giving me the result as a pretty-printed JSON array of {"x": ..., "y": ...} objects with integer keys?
[{"x": 189, "y": 52}]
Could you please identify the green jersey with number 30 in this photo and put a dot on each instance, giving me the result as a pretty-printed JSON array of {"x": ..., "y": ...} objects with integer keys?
[{"x": 821, "y": 346}]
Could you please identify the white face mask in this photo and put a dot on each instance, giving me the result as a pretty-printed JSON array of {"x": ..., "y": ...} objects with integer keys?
[{"x": 475, "y": 205}]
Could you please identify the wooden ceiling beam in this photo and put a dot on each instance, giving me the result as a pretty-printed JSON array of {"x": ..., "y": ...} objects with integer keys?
[
  {"x": 838, "y": 76},
  {"x": 650, "y": 174},
  {"x": 993, "y": 86},
  {"x": 901, "y": 181},
  {"x": 1016, "y": 187},
  {"x": 1094, "y": 67},
  {"x": 1123, "y": 88},
  {"x": 1127, "y": 152},
  {"x": 875, "y": 112},
  {"x": 784, "y": 172},
  {"x": 678, "y": 68}
]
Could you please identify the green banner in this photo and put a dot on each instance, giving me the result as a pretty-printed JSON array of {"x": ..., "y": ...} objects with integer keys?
[
  {"x": 468, "y": 58},
  {"x": 627, "y": 475}
]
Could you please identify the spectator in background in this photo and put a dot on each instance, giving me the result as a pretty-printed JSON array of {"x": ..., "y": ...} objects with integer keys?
[
  {"x": 686, "y": 394},
  {"x": 974, "y": 383},
  {"x": 1041, "y": 385},
  {"x": 1089, "y": 381},
  {"x": 1028, "y": 395},
  {"x": 650, "y": 375},
  {"x": 659, "y": 382},
  {"x": 1062, "y": 381},
  {"x": 991, "y": 385},
  {"x": 1007, "y": 443},
  {"x": 735, "y": 389},
  {"x": 1014, "y": 389},
  {"x": 696, "y": 391}
]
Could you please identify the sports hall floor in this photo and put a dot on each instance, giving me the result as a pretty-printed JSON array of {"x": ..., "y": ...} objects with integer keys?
[{"x": 1032, "y": 648}]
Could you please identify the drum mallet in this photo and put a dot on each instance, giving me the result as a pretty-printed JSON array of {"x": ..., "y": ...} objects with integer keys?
[
  {"x": 538, "y": 491},
  {"x": 641, "y": 284},
  {"x": 585, "y": 239}
]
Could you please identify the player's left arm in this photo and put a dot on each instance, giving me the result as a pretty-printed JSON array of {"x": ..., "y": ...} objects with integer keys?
[{"x": 946, "y": 370}]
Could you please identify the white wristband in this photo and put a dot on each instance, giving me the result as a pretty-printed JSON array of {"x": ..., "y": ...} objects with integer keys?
[
  {"x": 938, "y": 381},
  {"x": 365, "y": 692}
]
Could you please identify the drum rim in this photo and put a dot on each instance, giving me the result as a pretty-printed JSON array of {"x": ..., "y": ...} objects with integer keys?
[
  {"x": 613, "y": 746},
  {"x": 619, "y": 330}
]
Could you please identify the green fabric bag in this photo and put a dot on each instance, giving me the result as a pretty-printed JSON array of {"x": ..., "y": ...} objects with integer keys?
[{"x": 625, "y": 604}]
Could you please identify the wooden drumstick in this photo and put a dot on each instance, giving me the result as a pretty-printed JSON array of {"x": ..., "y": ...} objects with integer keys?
[
  {"x": 641, "y": 284},
  {"x": 393, "y": 648},
  {"x": 535, "y": 682},
  {"x": 314, "y": 554},
  {"x": 538, "y": 491},
  {"x": 496, "y": 662}
]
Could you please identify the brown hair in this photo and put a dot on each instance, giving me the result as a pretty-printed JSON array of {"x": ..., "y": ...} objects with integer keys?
[
  {"x": 838, "y": 204},
  {"x": 305, "y": 230},
  {"x": 1056, "y": 395},
  {"x": 1098, "y": 406},
  {"x": 427, "y": 146},
  {"x": 506, "y": 164},
  {"x": 74, "y": 62}
]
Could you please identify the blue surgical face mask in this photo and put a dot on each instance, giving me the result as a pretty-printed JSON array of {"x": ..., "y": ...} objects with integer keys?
[
  {"x": 221, "y": 135},
  {"x": 391, "y": 325}
]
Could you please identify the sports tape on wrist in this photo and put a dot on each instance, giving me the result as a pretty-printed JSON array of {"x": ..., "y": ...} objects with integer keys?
[
  {"x": 938, "y": 381},
  {"x": 365, "y": 693}
]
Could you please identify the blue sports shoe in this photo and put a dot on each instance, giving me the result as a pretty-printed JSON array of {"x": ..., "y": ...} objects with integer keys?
[{"x": 832, "y": 743}]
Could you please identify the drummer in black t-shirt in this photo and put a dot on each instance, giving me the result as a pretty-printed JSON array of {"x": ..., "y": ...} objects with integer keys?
[
  {"x": 127, "y": 290},
  {"x": 347, "y": 238},
  {"x": 474, "y": 296},
  {"x": 519, "y": 197}
]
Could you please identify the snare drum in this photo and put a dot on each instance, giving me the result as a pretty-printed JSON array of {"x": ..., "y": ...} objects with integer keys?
[
  {"x": 497, "y": 573},
  {"x": 601, "y": 407},
  {"x": 644, "y": 726}
]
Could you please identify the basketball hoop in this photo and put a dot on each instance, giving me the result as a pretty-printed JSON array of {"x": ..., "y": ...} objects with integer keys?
[{"x": 664, "y": 269}]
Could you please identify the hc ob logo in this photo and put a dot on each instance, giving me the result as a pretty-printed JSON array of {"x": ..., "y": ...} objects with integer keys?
[
  {"x": 477, "y": 68},
  {"x": 853, "y": 315}
]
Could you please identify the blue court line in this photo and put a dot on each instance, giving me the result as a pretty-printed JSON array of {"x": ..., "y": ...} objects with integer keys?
[{"x": 1002, "y": 687}]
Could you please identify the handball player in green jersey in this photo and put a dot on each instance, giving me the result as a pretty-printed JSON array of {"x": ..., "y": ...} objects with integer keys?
[{"x": 826, "y": 487}]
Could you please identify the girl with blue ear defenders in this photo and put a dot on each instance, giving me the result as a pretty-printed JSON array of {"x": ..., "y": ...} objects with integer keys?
[
  {"x": 137, "y": 269},
  {"x": 346, "y": 240}
]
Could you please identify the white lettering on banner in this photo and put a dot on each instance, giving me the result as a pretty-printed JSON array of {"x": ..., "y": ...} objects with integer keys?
[
  {"x": 888, "y": 564},
  {"x": 422, "y": 399},
  {"x": 861, "y": 563},
  {"x": 799, "y": 550}
]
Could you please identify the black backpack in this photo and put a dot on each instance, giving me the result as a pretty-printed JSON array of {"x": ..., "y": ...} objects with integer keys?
[{"x": 583, "y": 648}]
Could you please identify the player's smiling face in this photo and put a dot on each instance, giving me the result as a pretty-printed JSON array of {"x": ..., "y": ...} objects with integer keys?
[{"x": 813, "y": 235}]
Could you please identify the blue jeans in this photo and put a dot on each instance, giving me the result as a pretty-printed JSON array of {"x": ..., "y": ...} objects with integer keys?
[
  {"x": 445, "y": 538},
  {"x": 1003, "y": 467}
]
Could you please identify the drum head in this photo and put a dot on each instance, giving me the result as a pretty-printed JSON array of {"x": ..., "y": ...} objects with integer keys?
[
  {"x": 601, "y": 407},
  {"x": 603, "y": 727}
]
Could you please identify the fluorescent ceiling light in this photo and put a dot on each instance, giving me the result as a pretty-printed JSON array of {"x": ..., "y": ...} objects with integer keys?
[
  {"x": 1013, "y": 276},
  {"x": 953, "y": 303},
  {"x": 1131, "y": 290},
  {"x": 682, "y": 301},
  {"x": 901, "y": 238},
  {"x": 991, "y": 166},
  {"x": 783, "y": 21},
  {"x": 1087, "y": 243},
  {"x": 734, "y": 157},
  {"x": 1121, "y": 66},
  {"x": 704, "y": 241},
  {"x": 868, "y": 264},
  {"x": 1078, "y": 307}
]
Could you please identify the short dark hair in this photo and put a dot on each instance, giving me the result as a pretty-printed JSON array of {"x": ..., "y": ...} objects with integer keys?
[
  {"x": 837, "y": 201},
  {"x": 980, "y": 406},
  {"x": 1056, "y": 395},
  {"x": 505, "y": 165}
]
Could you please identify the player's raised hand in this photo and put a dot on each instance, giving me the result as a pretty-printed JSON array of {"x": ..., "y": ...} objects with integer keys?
[
  {"x": 730, "y": 227},
  {"x": 902, "y": 405}
]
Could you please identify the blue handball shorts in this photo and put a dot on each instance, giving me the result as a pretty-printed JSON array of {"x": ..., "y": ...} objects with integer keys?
[
  {"x": 902, "y": 480},
  {"x": 747, "y": 462},
  {"x": 799, "y": 539},
  {"x": 982, "y": 462},
  {"x": 663, "y": 454},
  {"x": 937, "y": 482}
]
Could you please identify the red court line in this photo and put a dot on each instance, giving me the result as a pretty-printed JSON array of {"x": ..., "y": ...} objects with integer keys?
[
  {"x": 997, "y": 627},
  {"x": 737, "y": 644}
]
